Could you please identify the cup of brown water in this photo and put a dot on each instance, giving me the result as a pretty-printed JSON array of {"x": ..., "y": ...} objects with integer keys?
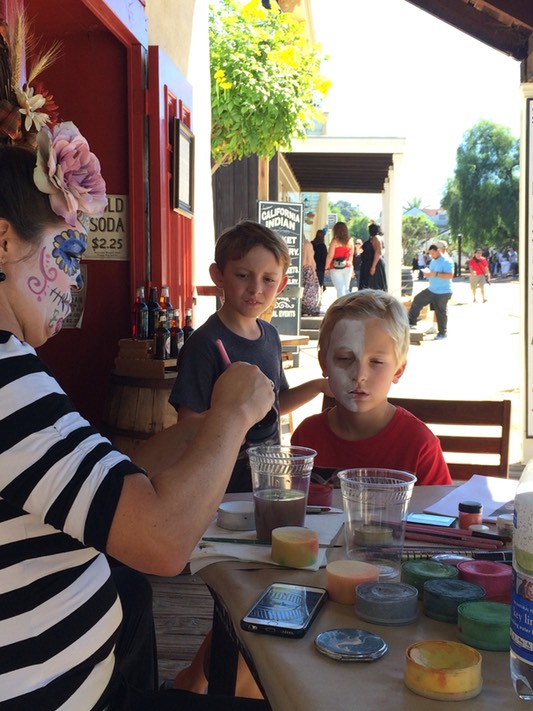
[{"x": 280, "y": 483}]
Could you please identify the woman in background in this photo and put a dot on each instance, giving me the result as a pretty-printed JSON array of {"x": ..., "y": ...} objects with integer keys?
[
  {"x": 339, "y": 261},
  {"x": 321, "y": 252},
  {"x": 372, "y": 265}
]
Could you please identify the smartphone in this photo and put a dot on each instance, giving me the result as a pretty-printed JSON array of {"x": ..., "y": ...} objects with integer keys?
[
  {"x": 432, "y": 519},
  {"x": 285, "y": 610}
]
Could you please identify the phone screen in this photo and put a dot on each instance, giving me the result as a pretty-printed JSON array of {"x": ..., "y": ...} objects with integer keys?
[
  {"x": 284, "y": 609},
  {"x": 432, "y": 519}
]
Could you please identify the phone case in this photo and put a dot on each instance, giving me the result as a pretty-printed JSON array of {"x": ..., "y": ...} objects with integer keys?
[{"x": 284, "y": 610}]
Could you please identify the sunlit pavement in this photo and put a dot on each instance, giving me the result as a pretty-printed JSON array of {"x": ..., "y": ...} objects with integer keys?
[{"x": 480, "y": 359}]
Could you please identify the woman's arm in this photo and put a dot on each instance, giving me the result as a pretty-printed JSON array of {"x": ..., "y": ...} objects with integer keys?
[
  {"x": 160, "y": 519},
  {"x": 376, "y": 246},
  {"x": 331, "y": 252}
]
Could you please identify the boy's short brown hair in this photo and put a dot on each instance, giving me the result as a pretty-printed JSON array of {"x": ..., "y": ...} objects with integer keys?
[
  {"x": 237, "y": 241},
  {"x": 367, "y": 304}
]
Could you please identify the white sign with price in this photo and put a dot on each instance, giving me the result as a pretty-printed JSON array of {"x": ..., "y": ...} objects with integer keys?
[{"x": 109, "y": 236}]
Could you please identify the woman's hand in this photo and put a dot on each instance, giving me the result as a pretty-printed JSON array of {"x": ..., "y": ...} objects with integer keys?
[{"x": 372, "y": 270}]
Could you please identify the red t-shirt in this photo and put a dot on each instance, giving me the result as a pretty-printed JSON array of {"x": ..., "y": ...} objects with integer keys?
[
  {"x": 406, "y": 443},
  {"x": 478, "y": 266}
]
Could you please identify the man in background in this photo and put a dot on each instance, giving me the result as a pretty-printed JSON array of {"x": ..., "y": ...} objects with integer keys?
[{"x": 439, "y": 291}]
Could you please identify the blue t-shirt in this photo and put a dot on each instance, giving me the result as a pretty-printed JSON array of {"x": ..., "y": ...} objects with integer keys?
[{"x": 437, "y": 284}]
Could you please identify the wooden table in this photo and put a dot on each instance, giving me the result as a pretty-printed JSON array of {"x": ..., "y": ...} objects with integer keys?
[{"x": 295, "y": 677}]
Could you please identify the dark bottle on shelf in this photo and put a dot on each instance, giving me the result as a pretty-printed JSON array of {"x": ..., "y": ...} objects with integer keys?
[
  {"x": 164, "y": 303},
  {"x": 153, "y": 312},
  {"x": 139, "y": 325},
  {"x": 162, "y": 339},
  {"x": 187, "y": 328},
  {"x": 176, "y": 335}
]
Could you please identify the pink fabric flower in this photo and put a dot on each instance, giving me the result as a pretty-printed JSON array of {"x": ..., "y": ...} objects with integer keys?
[{"x": 68, "y": 172}]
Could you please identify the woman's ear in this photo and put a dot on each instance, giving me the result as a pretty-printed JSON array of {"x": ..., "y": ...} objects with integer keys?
[{"x": 216, "y": 275}]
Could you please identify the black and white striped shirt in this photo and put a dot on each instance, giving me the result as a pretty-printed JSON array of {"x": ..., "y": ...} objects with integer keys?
[{"x": 60, "y": 482}]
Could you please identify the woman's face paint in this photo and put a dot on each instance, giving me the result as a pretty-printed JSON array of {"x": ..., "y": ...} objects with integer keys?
[
  {"x": 361, "y": 363},
  {"x": 49, "y": 274}
]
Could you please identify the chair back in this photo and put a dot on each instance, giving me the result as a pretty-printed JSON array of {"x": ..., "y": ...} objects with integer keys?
[{"x": 474, "y": 434}]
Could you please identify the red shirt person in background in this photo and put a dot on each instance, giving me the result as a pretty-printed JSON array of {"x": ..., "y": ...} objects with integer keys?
[{"x": 479, "y": 274}]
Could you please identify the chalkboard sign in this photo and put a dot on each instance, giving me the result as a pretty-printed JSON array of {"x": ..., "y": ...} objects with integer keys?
[{"x": 285, "y": 218}]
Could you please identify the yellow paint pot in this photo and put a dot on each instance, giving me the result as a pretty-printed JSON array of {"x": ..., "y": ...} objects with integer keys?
[{"x": 442, "y": 670}]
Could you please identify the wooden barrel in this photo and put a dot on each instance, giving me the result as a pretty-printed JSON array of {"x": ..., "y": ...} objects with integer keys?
[
  {"x": 136, "y": 409},
  {"x": 407, "y": 281}
]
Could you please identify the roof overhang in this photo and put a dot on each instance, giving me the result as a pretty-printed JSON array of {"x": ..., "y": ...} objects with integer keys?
[
  {"x": 502, "y": 24},
  {"x": 326, "y": 164}
]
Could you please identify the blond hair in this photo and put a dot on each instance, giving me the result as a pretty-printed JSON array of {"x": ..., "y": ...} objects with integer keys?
[{"x": 368, "y": 304}]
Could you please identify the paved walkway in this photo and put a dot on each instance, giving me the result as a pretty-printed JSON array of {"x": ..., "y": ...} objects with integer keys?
[{"x": 481, "y": 358}]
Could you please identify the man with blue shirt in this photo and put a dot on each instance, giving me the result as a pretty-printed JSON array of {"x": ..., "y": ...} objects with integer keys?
[{"x": 439, "y": 291}]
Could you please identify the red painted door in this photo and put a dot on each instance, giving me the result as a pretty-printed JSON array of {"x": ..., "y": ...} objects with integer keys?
[{"x": 171, "y": 232}]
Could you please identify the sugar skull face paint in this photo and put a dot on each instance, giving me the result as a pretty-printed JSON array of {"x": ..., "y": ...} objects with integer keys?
[
  {"x": 361, "y": 363},
  {"x": 47, "y": 275}
]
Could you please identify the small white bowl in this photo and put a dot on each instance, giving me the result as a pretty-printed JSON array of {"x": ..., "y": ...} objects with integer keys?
[{"x": 236, "y": 515}]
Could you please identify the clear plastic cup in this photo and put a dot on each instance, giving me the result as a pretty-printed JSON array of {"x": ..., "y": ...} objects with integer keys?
[{"x": 375, "y": 503}]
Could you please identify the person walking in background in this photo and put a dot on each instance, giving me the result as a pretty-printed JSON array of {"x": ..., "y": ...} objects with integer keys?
[
  {"x": 439, "y": 291},
  {"x": 421, "y": 261},
  {"x": 479, "y": 274},
  {"x": 357, "y": 260},
  {"x": 312, "y": 290},
  {"x": 321, "y": 252},
  {"x": 372, "y": 265},
  {"x": 339, "y": 261}
]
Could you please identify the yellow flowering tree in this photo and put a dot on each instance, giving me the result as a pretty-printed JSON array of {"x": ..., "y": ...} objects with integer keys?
[{"x": 266, "y": 85}]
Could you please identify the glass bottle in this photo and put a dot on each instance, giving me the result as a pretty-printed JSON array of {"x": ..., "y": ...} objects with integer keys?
[
  {"x": 164, "y": 303},
  {"x": 176, "y": 335},
  {"x": 139, "y": 325},
  {"x": 187, "y": 328},
  {"x": 522, "y": 602},
  {"x": 153, "y": 312},
  {"x": 162, "y": 338}
]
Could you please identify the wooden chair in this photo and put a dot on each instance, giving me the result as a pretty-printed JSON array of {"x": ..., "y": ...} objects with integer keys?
[{"x": 474, "y": 434}]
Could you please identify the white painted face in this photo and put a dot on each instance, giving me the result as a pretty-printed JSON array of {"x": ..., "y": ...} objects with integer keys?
[{"x": 361, "y": 363}]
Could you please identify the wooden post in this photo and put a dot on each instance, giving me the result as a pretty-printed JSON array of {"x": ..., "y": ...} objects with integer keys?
[{"x": 262, "y": 179}]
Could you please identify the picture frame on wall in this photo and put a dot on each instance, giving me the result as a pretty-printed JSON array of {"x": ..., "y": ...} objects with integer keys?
[{"x": 182, "y": 182}]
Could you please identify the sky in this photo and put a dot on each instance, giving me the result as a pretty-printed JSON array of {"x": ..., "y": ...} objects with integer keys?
[{"x": 399, "y": 72}]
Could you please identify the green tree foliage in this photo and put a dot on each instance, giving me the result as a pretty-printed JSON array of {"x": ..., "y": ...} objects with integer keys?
[
  {"x": 416, "y": 231},
  {"x": 266, "y": 84},
  {"x": 482, "y": 198},
  {"x": 414, "y": 202},
  {"x": 356, "y": 220}
]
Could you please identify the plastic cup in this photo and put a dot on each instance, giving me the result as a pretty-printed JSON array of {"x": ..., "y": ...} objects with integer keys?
[
  {"x": 280, "y": 484},
  {"x": 375, "y": 503}
]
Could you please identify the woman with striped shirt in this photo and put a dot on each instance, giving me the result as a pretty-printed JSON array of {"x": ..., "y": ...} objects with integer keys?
[{"x": 67, "y": 498}]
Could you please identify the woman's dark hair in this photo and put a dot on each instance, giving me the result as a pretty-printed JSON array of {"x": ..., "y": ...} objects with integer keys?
[
  {"x": 340, "y": 232},
  {"x": 373, "y": 229},
  {"x": 21, "y": 202},
  {"x": 319, "y": 237}
]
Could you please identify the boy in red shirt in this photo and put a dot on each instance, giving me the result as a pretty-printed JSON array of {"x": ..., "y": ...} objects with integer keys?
[
  {"x": 479, "y": 274},
  {"x": 363, "y": 344}
]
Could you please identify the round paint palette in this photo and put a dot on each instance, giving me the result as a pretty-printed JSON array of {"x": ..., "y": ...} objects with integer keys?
[{"x": 348, "y": 644}]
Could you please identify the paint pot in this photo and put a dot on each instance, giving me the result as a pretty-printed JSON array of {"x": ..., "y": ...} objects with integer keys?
[
  {"x": 343, "y": 576},
  {"x": 236, "y": 515},
  {"x": 386, "y": 603},
  {"x": 443, "y": 597},
  {"x": 416, "y": 572},
  {"x": 495, "y": 578},
  {"x": 484, "y": 625},
  {"x": 443, "y": 670}
]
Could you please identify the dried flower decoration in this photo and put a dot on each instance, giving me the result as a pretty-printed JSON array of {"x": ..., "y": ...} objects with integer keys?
[{"x": 66, "y": 169}]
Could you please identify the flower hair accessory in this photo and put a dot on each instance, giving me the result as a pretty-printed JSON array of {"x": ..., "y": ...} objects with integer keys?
[
  {"x": 66, "y": 170},
  {"x": 70, "y": 174}
]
